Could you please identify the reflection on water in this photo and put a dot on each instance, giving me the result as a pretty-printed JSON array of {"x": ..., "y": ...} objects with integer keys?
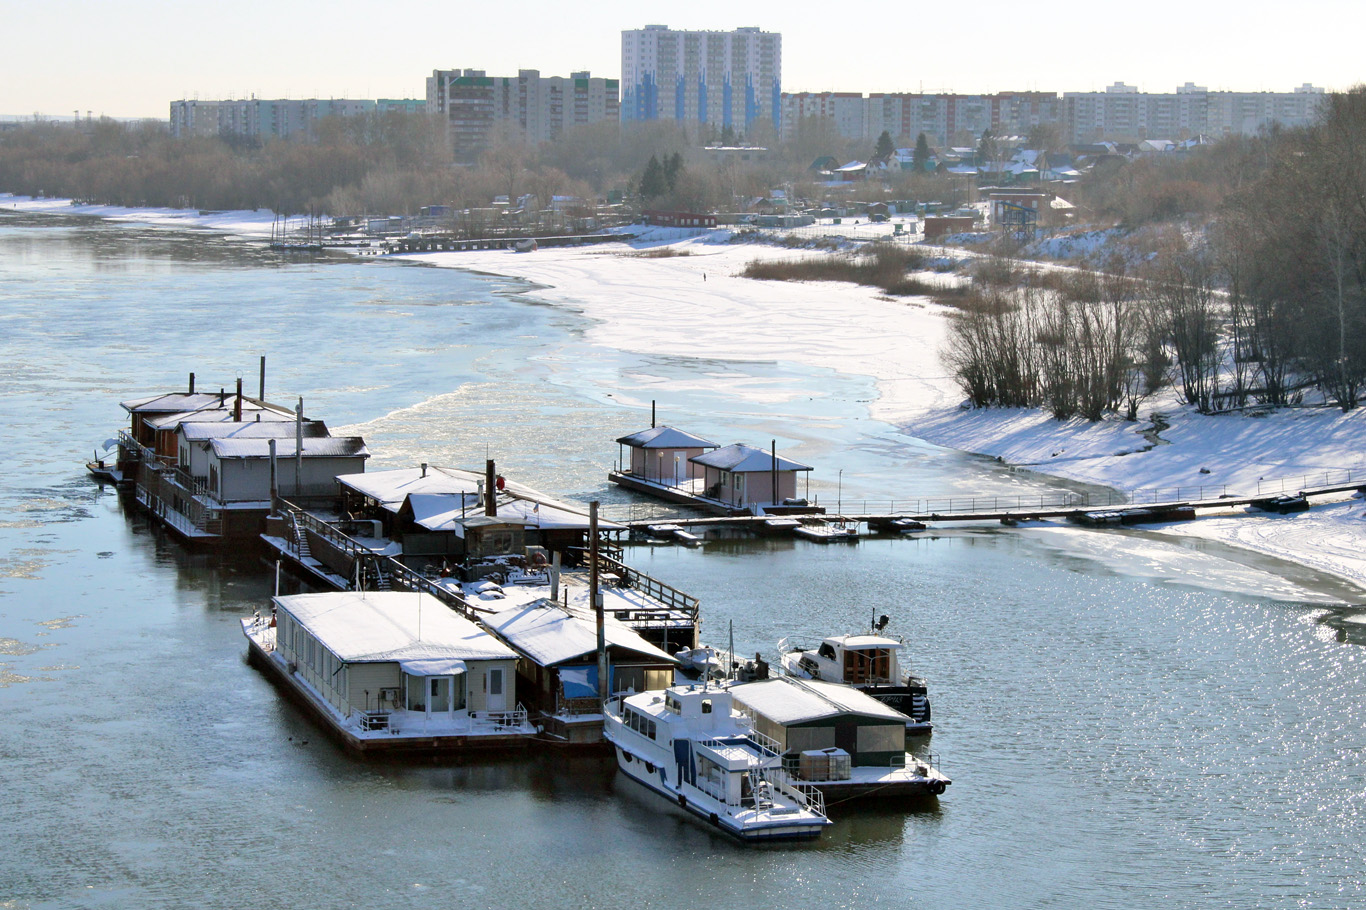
[{"x": 1128, "y": 723}]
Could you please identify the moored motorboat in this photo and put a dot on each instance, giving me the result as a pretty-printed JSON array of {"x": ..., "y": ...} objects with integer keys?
[
  {"x": 870, "y": 663},
  {"x": 691, "y": 746}
]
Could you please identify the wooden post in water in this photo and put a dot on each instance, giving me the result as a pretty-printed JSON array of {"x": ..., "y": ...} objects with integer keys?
[
  {"x": 263, "y": 378},
  {"x": 274, "y": 477},
  {"x": 596, "y": 596},
  {"x": 299, "y": 448},
  {"x": 652, "y": 412}
]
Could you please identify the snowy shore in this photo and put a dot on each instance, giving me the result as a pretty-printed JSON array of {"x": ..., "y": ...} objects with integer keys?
[{"x": 694, "y": 300}]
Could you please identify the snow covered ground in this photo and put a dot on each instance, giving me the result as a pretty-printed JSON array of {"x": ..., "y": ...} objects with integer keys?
[{"x": 696, "y": 299}]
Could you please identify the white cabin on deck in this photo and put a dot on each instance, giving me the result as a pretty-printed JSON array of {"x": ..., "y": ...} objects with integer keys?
[
  {"x": 663, "y": 455},
  {"x": 744, "y": 477},
  {"x": 368, "y": 652}
]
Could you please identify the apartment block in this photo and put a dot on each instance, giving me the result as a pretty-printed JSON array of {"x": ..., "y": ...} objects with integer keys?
[
  {"x": 271, "y": 119},
  {"x": 535, "y": 108},
  {"x": 706, "y": 80}
]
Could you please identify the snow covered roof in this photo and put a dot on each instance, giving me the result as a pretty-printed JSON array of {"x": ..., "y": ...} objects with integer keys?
[
  {"x": 741, "y": 459},
  {"x": 172, "y": 402},
  {"x": 214, "y": 415},
  {"x": 317, "y": 447},
  {"x": 863, "y": 642},
  {"x": 550, "y": 635},
  {"x": 383, "y": 626},
  {"x": 391, "y": 488},
  {"x": 253, "y": 429},
  {"x": 456, "y": 511},
  {"x": 787, "y": 701},
  {"x": 665, "y": 438}
]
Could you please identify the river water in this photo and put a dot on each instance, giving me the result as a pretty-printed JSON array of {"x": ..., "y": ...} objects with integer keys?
[{"x": 1128, "y": 722}]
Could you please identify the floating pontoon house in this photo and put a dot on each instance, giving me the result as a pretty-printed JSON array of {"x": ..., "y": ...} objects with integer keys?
[
  {"x": 662, "y": 455},
  {"x": 837, "y": 737},
  {"x": 748, "y": 479},
  {"x": 558, "y": 669},
  {"x": 392, "y": 670}
]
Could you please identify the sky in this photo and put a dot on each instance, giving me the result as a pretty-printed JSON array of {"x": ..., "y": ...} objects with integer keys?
[{"x": 133, "y": 57}]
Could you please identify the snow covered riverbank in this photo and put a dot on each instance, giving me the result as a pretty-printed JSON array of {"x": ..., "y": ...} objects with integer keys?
[{"x": 693, "y": 303}]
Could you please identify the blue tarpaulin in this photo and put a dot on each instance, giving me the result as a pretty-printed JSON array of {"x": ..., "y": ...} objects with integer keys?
[{"x": 579, "y": 682}]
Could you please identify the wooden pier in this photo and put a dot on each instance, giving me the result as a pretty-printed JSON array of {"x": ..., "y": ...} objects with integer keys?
[{"x": 1076, "y": 507}]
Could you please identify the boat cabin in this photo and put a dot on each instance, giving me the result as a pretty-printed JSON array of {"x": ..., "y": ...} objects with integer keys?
[{"x": 858, "y": 660}]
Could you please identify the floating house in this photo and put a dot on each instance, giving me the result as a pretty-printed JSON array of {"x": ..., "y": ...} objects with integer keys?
[
  {"x": 662, "y": 455},
  {"x": 558, "y": 669},
  {"x": 448, "y": 517},
  {"x": 202, "y": 463},
  {"x": 744, "y": 478},
  {"x": 842, "y": 740},
  {"x": 392, "y": 671}
]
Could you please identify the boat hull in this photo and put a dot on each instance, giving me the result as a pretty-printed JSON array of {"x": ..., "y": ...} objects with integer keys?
[{"x": 655, "y": 778}]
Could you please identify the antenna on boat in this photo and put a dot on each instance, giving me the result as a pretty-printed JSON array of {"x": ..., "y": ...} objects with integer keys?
[{"x": 730, "y": 658}]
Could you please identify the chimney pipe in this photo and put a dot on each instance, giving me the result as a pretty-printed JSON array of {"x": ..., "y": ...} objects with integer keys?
[
  {"x": 237, "y": 405},
  {"x": 191, "y": 383},
  {"x": 424, "y": 469},
  {"x": 652, "y": 413},
  {"x": 490, "y": 489}
]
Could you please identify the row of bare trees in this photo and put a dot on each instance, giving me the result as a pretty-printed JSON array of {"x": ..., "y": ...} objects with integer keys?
[{"x": 1261, "y": 306}]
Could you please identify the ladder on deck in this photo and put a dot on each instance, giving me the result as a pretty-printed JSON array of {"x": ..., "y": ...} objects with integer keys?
[{"x": 300, "y": 539}]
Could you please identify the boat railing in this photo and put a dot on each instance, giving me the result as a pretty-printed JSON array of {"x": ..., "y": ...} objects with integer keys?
[
  {"x": 515, "y": 719},
  {"x": 400, "y": 577}
]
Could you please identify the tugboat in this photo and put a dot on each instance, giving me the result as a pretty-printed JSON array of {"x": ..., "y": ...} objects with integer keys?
[
  {"x": 870, "y": 663},
  {"x": 690, "y": 745}
]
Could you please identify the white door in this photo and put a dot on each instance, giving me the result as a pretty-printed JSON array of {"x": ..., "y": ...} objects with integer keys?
[{"x": 497, "y": 694}]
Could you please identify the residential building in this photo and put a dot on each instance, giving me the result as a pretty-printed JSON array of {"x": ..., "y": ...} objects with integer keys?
[
  {"x": 535, "y": 108},
  {"x": 264, "y": 119},
  {"x": 1120, "y": 113},
  {"x": 705, "y": 80}
]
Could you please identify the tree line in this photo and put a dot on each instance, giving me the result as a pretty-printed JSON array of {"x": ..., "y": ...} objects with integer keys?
[{"x": 1261, "y": 305}]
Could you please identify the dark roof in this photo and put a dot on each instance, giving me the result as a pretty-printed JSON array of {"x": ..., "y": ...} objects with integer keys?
[{"x": 665, "y": 438}]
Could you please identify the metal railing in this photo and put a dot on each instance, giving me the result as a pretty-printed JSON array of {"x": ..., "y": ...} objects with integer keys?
[
  {"x": 400, "y": 576},
  {"x": 668, "y": 595}
]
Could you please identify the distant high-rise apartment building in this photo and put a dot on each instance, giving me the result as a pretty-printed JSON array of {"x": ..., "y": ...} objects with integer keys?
[
  {"x": 535, "y": 108},
  {"x": 266, "y": 119},
  {"x": 1121, "y": 113},
  {"x": 705, "y": 80}
]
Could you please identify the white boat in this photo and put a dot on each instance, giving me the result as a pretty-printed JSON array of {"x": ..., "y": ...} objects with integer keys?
[
  {"x": 870, "y": 663},
  {"x": 828, "y": 532},
  {"x": 692, "y": 747}
]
